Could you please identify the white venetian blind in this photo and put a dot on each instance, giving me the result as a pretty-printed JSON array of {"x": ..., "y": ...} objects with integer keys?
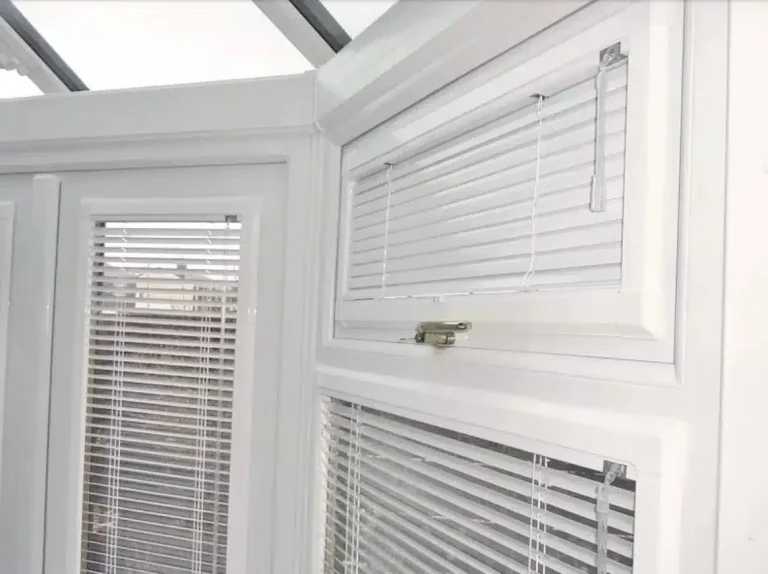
[
  {"x": 459, "y": 216},
  {"x": 407, "y": 497},
  {"x": 161, "y": 327}
]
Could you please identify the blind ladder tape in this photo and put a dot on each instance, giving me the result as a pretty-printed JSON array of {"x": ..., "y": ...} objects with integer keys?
[{"x": 603, "y": 509}]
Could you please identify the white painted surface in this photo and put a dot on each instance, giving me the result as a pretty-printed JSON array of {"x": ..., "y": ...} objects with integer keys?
[
  {"x": 24, "y": 414},
  {"x": 7, "y": 212},
  {"x": 161, "y": 128},
  {"x": 743, "y": 528},
  {"x": 416, "y": 48},
  {"x": 257, "y": 194},
  {"x": 282, "y": 105},
  {"x": 678, "y": 524},
  {"x": 222, "y": 124},
  {"x": 626, "y": 303}
]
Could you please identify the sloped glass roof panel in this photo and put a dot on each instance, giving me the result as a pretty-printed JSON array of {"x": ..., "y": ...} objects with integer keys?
[
  {"x": 13, "y": 85},
  {"x": 356, "y": 15},
  {"x": 113, "y": 44}
]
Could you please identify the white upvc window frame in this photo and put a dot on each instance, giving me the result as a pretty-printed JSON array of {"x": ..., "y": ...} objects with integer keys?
[
  {"x": 27, "y": 367},
  {"x": 637, "y": 322},
  {"x": 685, "y": 392},
  {"x": 179, "y": 194},
  {"x": 7, "y": 213},
  {"x": 653, "y": 448}
]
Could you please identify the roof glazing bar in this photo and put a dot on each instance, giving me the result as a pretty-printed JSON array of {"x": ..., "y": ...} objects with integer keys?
[{"x": 322, "y": 21}]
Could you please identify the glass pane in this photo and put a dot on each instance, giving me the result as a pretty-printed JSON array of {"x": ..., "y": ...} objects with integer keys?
[
  {"x": 160, "y": 391},
  {"x": 135, "y": 43},
  {"x": 356, "y": 15},
  {"x": 12, "y": 85}
]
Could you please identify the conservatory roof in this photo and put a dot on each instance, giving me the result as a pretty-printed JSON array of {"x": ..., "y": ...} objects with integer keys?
[{"x": 49, "y": 46}]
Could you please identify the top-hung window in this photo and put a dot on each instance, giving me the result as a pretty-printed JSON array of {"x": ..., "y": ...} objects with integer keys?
[{"x": 535, "y": 198}]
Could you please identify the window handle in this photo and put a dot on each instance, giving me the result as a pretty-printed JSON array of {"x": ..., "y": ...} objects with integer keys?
[{"x": 440, "y": 333}]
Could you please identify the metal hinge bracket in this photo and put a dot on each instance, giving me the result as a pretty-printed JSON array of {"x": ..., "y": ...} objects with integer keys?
[
  {"x": 619, "y": 470},
  {"x": 611, "y": 55}
]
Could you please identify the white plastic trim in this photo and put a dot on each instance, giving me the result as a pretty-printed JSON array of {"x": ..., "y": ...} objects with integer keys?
[
  {"x": 27, "y": 62},
  {"x": 418, "y": 48},
  {"x": 25, "y": 425}
]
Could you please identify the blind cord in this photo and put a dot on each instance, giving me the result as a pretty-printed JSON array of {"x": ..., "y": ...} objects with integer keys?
[
  {"x": 531, "y": 266},
  {"x": 597, "y": 197},
  {"x": 201, "y": 424},
  {"x": 603, "y": 508},
  {"x": 386, "y": 232},
  {"x": 229, "y": 270},
  {"x": 536, "y": 546},
  {"x": 115, "y": 443}
]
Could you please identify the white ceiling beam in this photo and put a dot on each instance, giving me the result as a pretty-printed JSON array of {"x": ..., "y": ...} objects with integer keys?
[
  {"x": 27, "y": 62},
  {"x": 296, "y": 28}
]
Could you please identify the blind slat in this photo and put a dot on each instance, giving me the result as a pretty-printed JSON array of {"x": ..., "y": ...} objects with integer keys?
[
  {"x": 180, "y": 364},
  {"x": 585, "y": 257},
  {"x": 208, "y": 349},
  {"x": 445, "y": 444},
  {"x": 520, "y": 247},
  {"x": 564, "y": 156},
  {"x": 144, "y": 343},
  {"x": 131, "y": 314},
  {"x": 132, "y": 425},
  {"x": 134, "y": 371},
  {"x": 158, "y": 385},
  {"x": 164, "y": 325},
  {"x": 515, "y": 206}
]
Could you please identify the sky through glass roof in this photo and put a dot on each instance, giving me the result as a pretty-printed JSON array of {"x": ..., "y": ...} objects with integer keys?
[
  {"x": 13, "y": 85},
  {"x": 356, "y": 15},
  {"x": 112, "y": 44}
]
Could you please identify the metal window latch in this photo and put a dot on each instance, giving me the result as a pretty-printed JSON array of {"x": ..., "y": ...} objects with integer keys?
[{"x": 440, "y": 333}]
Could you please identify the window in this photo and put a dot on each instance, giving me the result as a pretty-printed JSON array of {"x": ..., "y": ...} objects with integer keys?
[
  {"x": 535, "y": 197},
  {"x": 356, "y": 15},
  {"x": 158, "y": 432},
  {"x": 403, "y": 496},
  {"x": 458, "y": 218},
  {"x": 135, "y": 43}
]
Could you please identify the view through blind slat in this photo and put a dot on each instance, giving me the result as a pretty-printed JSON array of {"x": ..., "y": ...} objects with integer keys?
[{"x": 161, "y": 328}]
